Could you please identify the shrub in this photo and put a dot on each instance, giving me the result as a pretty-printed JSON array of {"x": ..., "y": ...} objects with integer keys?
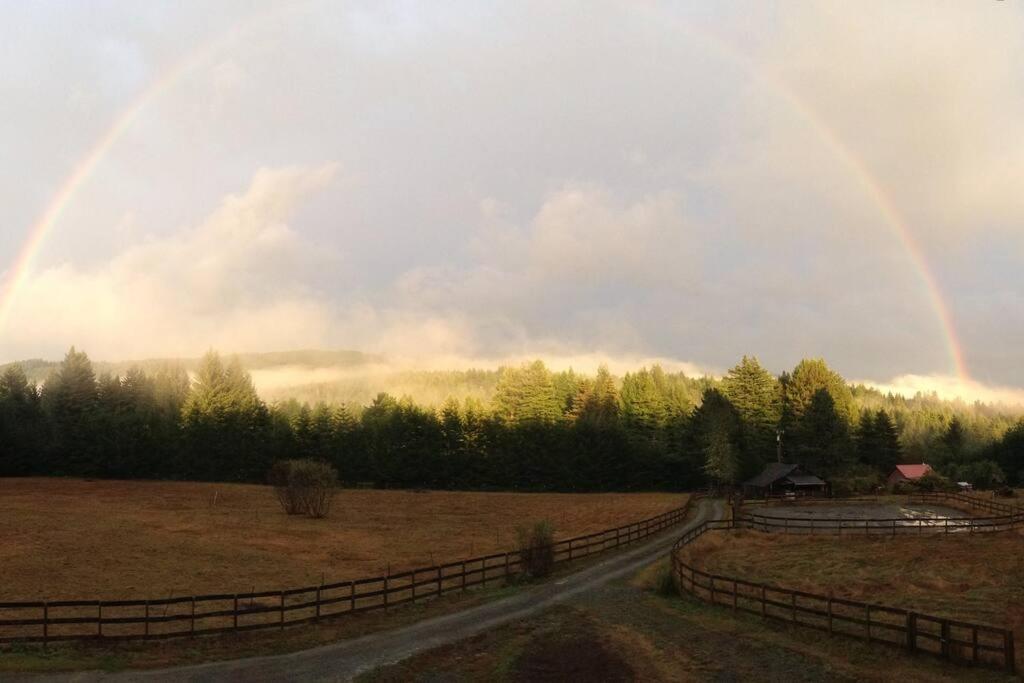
[
  {"x": 287, "y": 495},
  {"x": 537, "y": 548},
  {"x": 665, "y": 583},
  {"x": 304, "y": 486}
]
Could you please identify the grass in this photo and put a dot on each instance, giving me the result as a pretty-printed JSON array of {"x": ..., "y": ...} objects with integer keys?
[
  {"x": 626, "y": 631},
  {"x": 976, "y": 578},
  {"x": 75, "y": 539}
]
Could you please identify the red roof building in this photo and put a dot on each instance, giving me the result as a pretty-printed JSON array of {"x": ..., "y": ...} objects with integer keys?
[{"x": 908, "y": 473}]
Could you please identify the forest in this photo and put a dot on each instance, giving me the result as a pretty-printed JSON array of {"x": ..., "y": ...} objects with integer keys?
[{"x": 539, "y": 430}]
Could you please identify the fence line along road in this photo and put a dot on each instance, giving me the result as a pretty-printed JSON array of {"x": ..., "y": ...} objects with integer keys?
[
  {"x": 951, "y": 639},
  {"x": 70, "y": 620}
]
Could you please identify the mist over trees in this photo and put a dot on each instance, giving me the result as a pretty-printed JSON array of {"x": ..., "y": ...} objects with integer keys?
[{"x": 540, "y": 430}]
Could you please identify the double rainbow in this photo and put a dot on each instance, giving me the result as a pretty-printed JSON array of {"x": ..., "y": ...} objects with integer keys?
[{"x": 38, "y": 233}]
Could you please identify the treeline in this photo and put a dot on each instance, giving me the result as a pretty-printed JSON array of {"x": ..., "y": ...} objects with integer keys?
[{"x": 543, "y": 430}]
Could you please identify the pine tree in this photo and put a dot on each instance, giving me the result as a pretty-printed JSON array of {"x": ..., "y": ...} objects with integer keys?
[
  {"x": 22, "y": 429},
  {"x": 824, "y": 440},
  {"x": 756, "y": 395},
  {"x": 889, "y": 450},
  {"x": 527, "y": 394},
  {"x": 71, "y": 400},
  {"x": 810, "y": 376}
]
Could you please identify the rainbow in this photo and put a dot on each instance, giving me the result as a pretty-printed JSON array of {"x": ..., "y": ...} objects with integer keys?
[
  {"x": 37, "y": 234},
  {"x": 872, "y": 187}
]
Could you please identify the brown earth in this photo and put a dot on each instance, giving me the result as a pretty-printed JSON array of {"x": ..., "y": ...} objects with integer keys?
[{"x": 69, "y": 539}]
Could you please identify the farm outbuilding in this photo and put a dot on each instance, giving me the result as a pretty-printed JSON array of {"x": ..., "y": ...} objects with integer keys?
[
  {"x": 781, "y": 479},
  {"x": 908, "y": 473}
]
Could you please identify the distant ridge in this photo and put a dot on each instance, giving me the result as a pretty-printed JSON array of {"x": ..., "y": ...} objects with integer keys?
[{"x": 38, "y": 369}]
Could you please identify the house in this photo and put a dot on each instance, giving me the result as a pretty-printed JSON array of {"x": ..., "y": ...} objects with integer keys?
[
  {"x": 780, "y": 479},
  {"x": 908, "y": 473}
]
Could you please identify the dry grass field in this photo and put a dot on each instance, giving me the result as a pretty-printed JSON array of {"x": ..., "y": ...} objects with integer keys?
[
  {"x": 971, "y": 577},
  {"x": 65, "y": 539}
]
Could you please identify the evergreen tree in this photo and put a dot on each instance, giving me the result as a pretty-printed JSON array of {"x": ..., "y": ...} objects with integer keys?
[
  {"x": 756, "y": 395},
  {"x": 809, "y": 377},
  {"x": 824, "y": 441},
  {"x": 22, "y": 429},
  {"x": 225, "y": 424},
  {"x": 527, "y": 394},
  {"x": 70, "y": 398},
  {"x": 888, "y": 444}
]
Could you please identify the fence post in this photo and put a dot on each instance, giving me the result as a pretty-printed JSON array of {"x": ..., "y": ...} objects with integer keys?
[
  {"x": 912, "y": 631},
  {"x": 506, "y": 567},
  {"x": 764, "y": 605},
  {"x": 735, "y": 595},
  {"x": 99, "y": 618},
  {"x": 946, "y": 649},
  {"x": 318, "y": 599},
  {"x": 867, "y": 621},
  {"x": 146, "y": 623},
  {"x": 829, "y": 608},
  {"x": 280, "y": 620},
  {"x": 1011, "y": 659},
  {"x": 974, "y": 644},
  {"x": 352, "y": 596},
  {"x": 46, "y": 622},
  {"x": 793, "y": 601},
  {"x": 234, "y": 614},
  {"x": 712, "y": 589},
  {"x": 192, "y": 628},
  {"x": 894, "y": 528},
  {"x": 463, "y": 575},
  {"x": 439, "y": 576},
  {"x": 387, "y": 581}
]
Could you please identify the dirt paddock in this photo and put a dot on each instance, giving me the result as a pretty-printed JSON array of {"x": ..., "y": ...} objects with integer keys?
[
  {"x": 857, "y": 511},
  {"x": 75, "y": 539}
]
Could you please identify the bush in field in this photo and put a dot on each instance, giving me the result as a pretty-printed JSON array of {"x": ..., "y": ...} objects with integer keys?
[
  {"x": 537, "y": 548},
  {"x": 304, "y": 486},
  {"x": 287, "y": 495}
]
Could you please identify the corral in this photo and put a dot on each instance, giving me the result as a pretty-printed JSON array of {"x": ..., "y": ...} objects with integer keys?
[
  {"x": 920, "y": 578},
  {"x": 123, "y": 540}
]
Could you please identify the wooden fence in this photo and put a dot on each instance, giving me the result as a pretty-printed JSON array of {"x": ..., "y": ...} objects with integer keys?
[
  {"x": 65, "y": 620},
  {"x": 958, "y": 641},
  {"x": 1006, "y": 517}
]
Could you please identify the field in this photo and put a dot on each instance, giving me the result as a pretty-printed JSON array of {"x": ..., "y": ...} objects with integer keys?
[
  {"x": 67, "y": 539},
  {"x": 970, "y": 577}
]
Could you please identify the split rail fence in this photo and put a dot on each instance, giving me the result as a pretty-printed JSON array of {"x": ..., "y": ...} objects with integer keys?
[
  {"x": 67, "y": 620},
  {"x": 958, "y": 641}
]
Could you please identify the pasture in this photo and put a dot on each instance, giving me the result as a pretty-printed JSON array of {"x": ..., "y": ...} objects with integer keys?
[
  {"x": 65, "y": 538},
  {"x": 971, "y": 577}
]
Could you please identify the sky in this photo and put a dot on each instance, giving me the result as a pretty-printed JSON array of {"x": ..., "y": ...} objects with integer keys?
[{"x": 465, "y": 182}]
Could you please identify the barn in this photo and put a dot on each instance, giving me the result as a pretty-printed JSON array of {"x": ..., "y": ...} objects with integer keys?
[
  {"x": 908, "y": 473},
  {"x": 785, "y": 479}
]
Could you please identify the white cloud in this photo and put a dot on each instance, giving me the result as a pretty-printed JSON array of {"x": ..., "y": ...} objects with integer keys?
[
  {"x": 234, "y": 281},
  {"x": 950, "y": 388}
]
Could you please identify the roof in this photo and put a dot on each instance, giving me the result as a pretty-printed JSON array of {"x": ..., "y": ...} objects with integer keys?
[
  {"x": 805, "y": 480},
  {"x": 914, "y": 471},
  {"x": 773, "y": 471}
]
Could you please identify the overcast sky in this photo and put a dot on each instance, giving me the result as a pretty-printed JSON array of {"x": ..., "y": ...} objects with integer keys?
[{"x": 634, "y": 180}]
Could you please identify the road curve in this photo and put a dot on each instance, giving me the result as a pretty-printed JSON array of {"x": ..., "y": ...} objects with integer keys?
[{"x": 346, "y": 659}]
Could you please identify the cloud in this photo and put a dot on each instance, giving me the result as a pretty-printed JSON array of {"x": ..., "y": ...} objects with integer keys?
[
  {"x": 950, "y": 388},
  {"x": 234, "y": 281}
]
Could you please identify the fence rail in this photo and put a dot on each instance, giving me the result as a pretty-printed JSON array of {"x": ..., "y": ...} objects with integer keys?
[
  {"x": 68, "y": 620},
  {"x": 1007, "y": 517},
  {"x": 958, "y": 641}
]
